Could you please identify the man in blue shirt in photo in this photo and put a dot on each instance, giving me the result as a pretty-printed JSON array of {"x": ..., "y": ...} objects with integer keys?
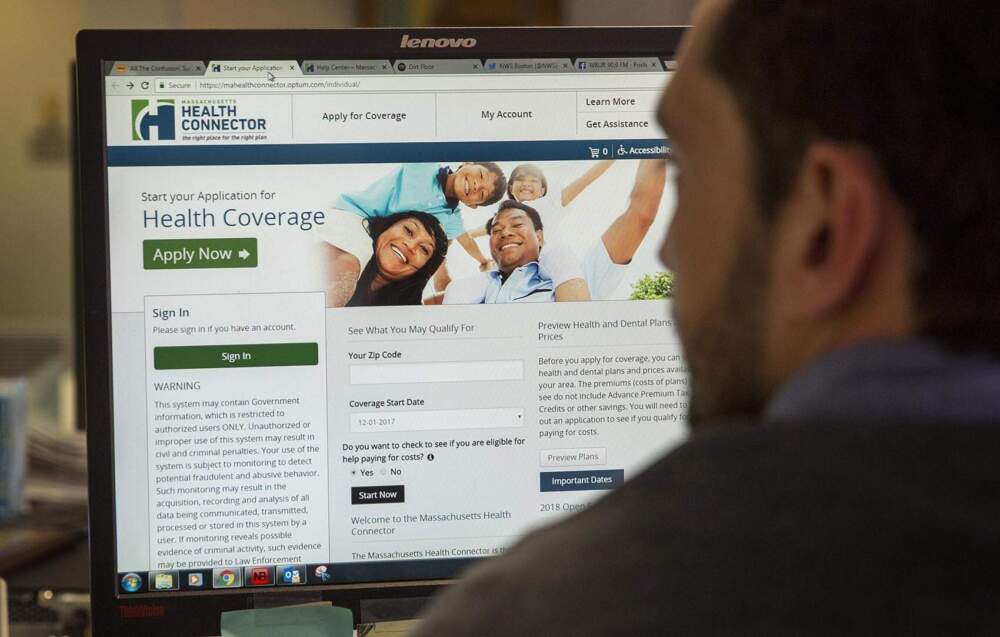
[
  {"x": 526, "y": 272},
  {"x": 531, "y": 270}
]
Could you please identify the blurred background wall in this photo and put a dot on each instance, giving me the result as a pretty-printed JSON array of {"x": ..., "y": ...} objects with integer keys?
[{"x": 36, "y": 49}]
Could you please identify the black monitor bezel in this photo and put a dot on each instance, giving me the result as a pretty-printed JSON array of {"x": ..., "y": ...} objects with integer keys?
[{"x": 185, "y": 614}]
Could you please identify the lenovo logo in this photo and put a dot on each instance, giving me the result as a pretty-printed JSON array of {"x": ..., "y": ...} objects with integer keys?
[{"x": 436, "y": 43}]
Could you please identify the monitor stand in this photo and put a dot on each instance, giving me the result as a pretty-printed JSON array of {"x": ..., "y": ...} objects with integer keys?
[
  {"x": 275, "y": 599},
  {"x": 365, "y": 610},
  {"x": 341, "y": 626}
]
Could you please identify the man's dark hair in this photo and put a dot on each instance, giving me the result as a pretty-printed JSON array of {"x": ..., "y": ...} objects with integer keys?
[
  {"x": 918, "y": 85},
  {"x": 527, "y": 170},
  {"x": 499, "y": 186},
  {"x": 536, "y": 219}
]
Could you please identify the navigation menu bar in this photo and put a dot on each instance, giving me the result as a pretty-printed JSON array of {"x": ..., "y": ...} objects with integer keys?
[{"x": 338, "y": 118}]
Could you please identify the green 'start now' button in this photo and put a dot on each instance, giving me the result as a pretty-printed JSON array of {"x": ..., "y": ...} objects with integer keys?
[
  {"x": 179, "y": 254},
  {"x": 215, "y": 356}
]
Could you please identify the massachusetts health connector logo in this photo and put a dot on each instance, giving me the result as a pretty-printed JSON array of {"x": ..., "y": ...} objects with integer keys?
[{"x": 153, "y": 120}]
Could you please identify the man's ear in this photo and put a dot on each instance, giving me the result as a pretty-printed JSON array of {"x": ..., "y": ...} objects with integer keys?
[
  {"x": 828, "y": 232},
  {"x": 541, "y": 237}
]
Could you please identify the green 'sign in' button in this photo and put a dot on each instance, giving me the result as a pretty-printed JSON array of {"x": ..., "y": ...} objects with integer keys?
[
  {"x": 224, "y": 356},
  {"x": 180, "y": 254}
]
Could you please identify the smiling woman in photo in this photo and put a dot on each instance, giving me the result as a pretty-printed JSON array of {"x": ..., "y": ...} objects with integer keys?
[{"x": 401, "y": 254}]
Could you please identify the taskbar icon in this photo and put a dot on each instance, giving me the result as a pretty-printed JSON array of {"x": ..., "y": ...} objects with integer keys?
[
  {"x": 291, "y": 575},
  {"x": 320, "y": 573},
  {"x": 228, "y": 577},
  {"x": 165, "y": 581},
  {"x": 131, "y": 582},
  {"x": 259, "y": 575},
  {"x": 197, "y": 580}
]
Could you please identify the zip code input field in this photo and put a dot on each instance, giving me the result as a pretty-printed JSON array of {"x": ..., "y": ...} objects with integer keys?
[
  {"x": 378, "y": 422},
  {"x": 448, "y": 372}
]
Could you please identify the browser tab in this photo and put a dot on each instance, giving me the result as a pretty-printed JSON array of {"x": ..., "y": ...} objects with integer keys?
[
  {"x": 534, "y": 65},
  {"x": 618, "y": 65},
  {"x": 187, "y": 67},
  {"x": 254, "y": 68},
  {"x": 347, "y": 67},
  {"x": 417, "y": 67}
]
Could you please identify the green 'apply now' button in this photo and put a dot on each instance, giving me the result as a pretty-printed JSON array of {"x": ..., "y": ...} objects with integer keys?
[{"x": 180, "y": 254}]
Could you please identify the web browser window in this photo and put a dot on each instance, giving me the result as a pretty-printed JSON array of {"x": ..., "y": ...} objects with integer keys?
[{"x": 371, "y": 319}]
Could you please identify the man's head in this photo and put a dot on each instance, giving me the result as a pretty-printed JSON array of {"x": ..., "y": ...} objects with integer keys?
[
  {"x": 479, "y": 183},
  {"x": 835, "y": 184},
  {"x": 516, "y": 235}
]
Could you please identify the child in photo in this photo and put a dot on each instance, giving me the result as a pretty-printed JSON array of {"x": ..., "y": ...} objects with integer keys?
[
  {"x": 528, "y": 184},
  {"x": 426, "y": 187}
]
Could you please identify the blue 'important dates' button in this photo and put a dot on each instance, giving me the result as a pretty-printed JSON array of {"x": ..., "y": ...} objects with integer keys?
[{"x": 596, "y": 480}]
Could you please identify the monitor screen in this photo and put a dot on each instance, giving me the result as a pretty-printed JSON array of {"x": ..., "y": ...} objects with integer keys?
[{"x": 371, "y": 320}]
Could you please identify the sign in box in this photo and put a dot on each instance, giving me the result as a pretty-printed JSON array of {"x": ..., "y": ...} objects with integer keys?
[
  {"x": 597, "y": 480},
  {"x": 226, "y": 356},
  {"x": 197, "y": 254}
]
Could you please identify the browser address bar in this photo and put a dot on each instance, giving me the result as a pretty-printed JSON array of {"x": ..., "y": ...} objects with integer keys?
[{"x": 413, "y": 83}]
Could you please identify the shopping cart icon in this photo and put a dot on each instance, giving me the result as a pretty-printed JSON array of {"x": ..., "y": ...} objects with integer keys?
[{"x": 594, "y": 152}]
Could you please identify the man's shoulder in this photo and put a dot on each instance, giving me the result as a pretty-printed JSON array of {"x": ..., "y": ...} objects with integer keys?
[{"x": 752, "y": 528}]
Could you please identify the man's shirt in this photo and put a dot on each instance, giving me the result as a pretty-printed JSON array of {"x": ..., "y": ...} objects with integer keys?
[
  {"x": 912, "y": 380},
  {"x": 524, "y": 285},
  {"x": 869, "y": 485},
  {"x": 528, "y": 284},
  {"x": 411, "y": 187}
]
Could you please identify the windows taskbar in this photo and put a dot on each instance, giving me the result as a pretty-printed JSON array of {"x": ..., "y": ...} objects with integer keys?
[{"x": 257, "y": 577}]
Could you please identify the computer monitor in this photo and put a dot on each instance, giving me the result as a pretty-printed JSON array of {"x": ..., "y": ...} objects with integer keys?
[{"x": 362, "y": 308}]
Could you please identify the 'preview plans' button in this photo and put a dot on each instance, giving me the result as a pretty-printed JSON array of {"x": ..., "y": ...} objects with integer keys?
[
  {"x": 191, "y": 254},
  {"x": 597, "y": 480},
  {"x": 377, "y": 495}
]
